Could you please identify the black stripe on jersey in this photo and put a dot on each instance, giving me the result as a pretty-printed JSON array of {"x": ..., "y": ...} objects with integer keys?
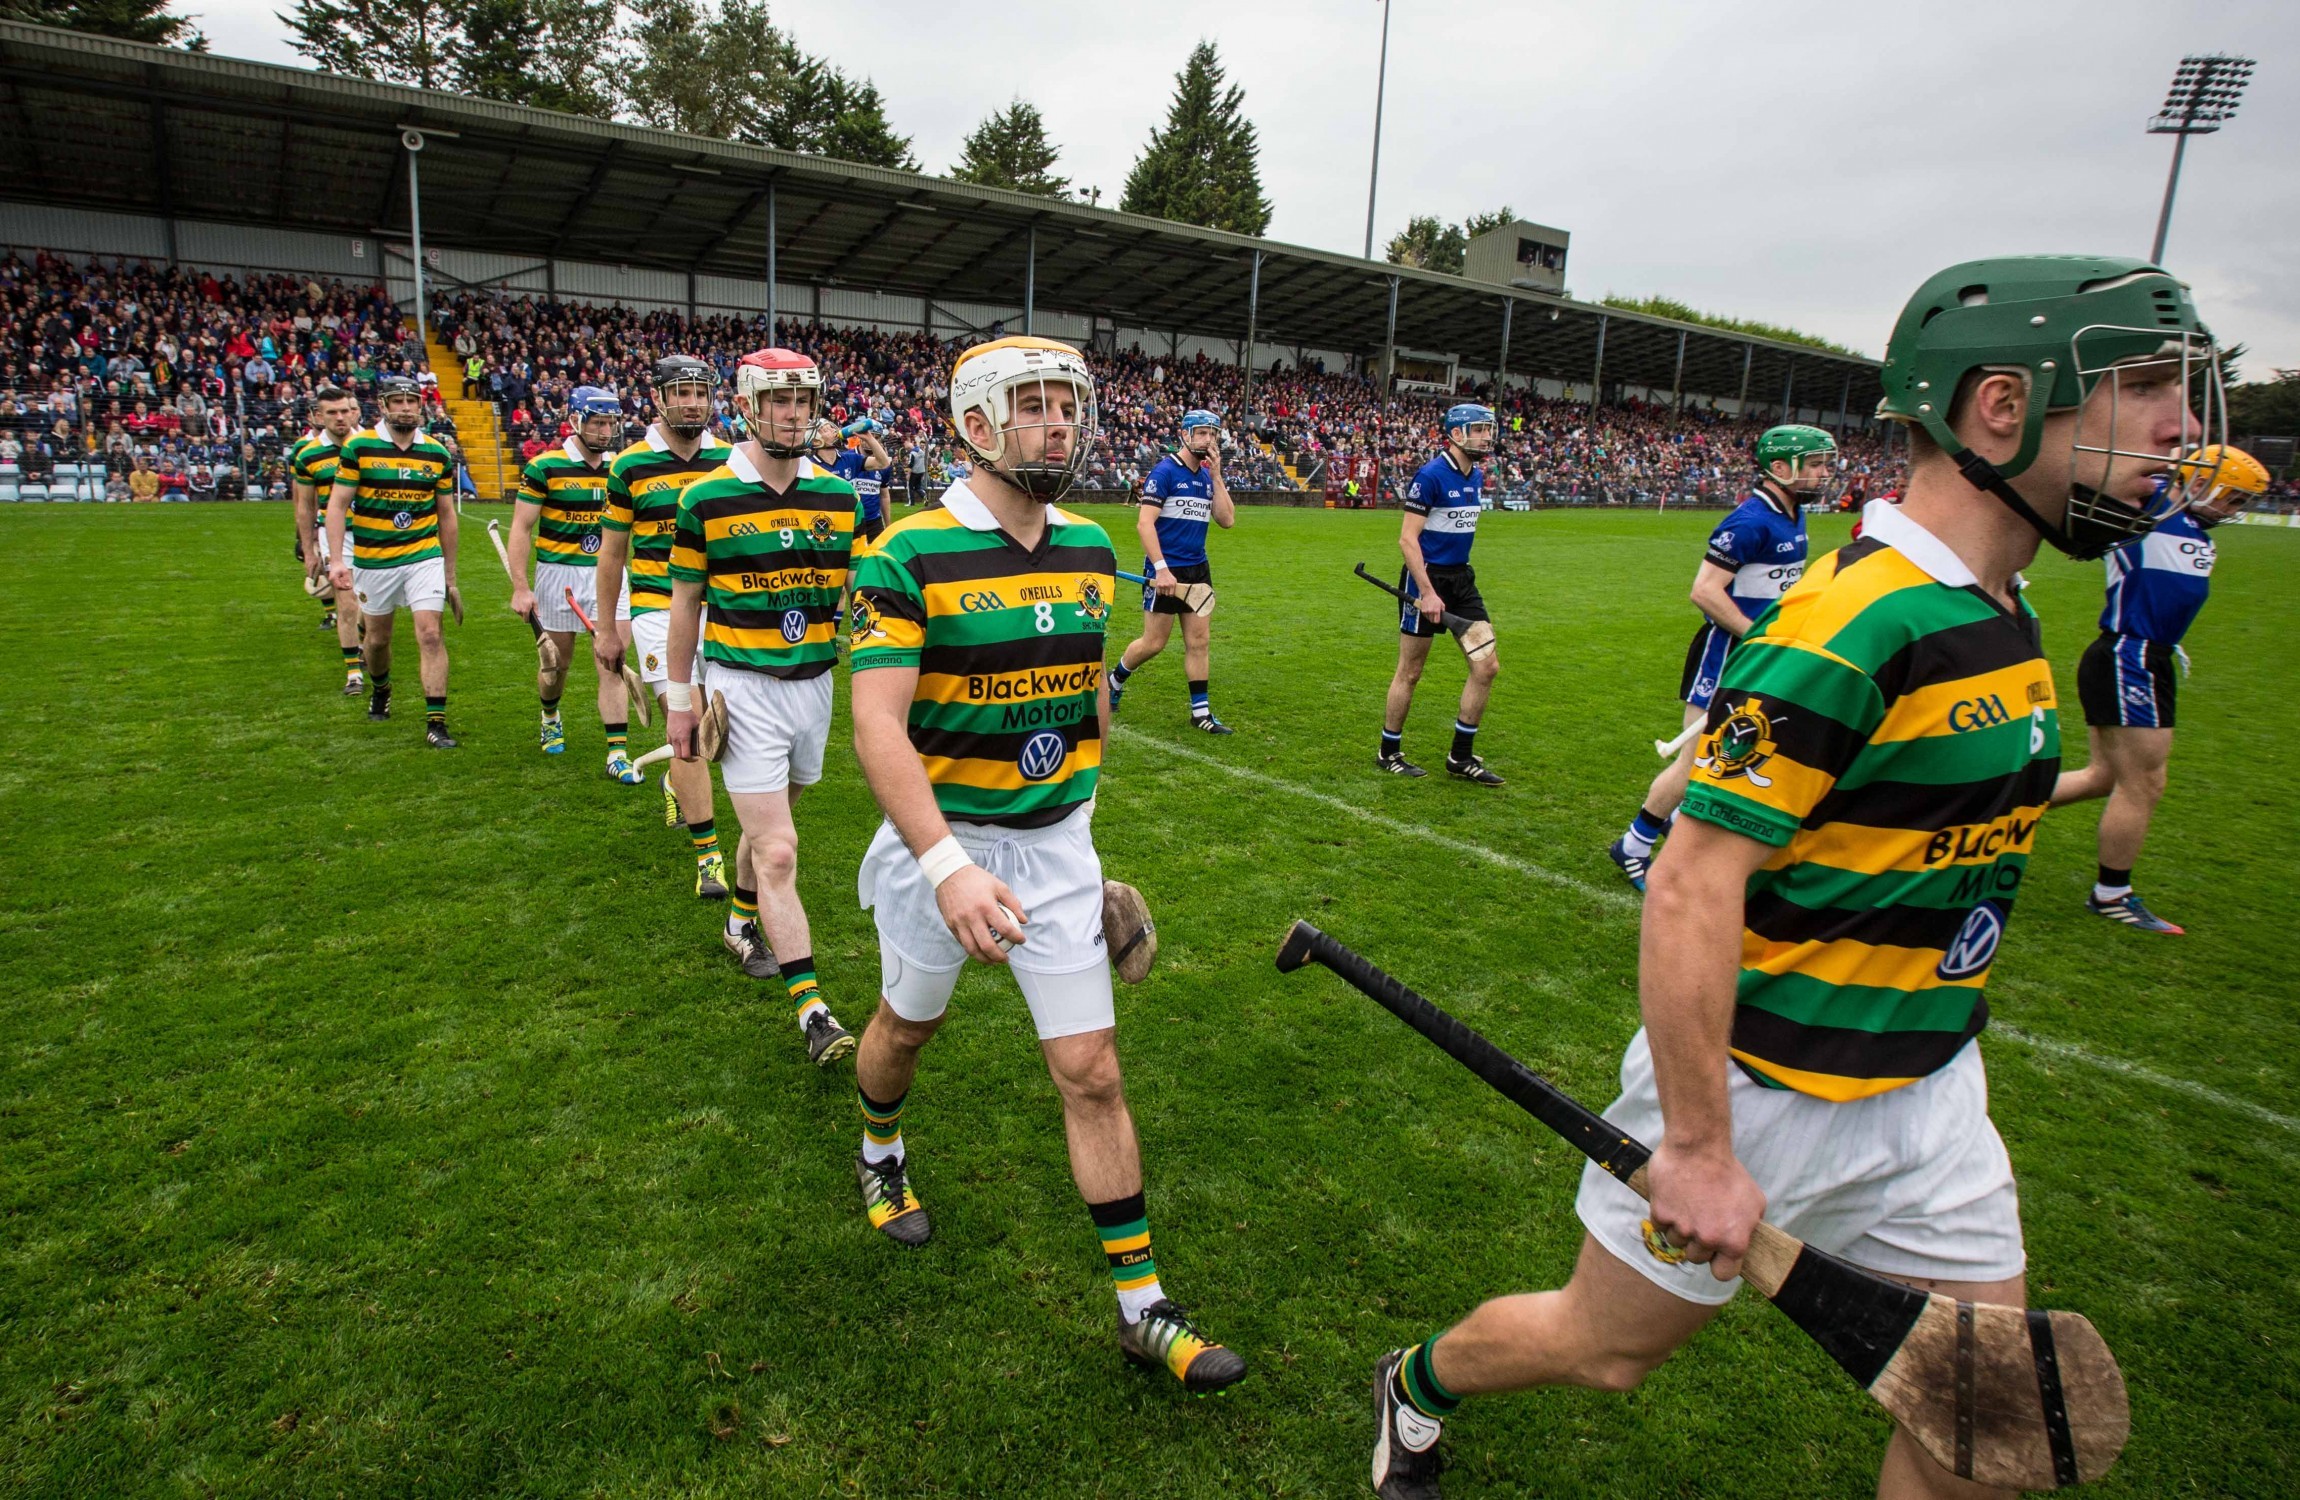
[
  {"x": 991, "y": 657},
  {"x": 973, "y": 564},
  {"x": 1847, "y": 1052},
  {"x": 1929, "y": 807},
  {"x": 770, "y": 616},
  {"x": 1006, "y": 745},
  {"x": 1853, "y": 552},
  {"x": 1959, "y": 651},
  {"x": 1779, "y": 920},
  {"x": 894, "y": 603}
]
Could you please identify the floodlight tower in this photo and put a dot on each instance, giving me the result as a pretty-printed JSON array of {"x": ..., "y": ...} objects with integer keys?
[{"x": 2204, "y": 94}]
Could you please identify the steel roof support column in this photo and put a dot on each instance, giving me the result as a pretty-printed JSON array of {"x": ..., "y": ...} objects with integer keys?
[
  {"x": 1597, "y": 376},
  {"x": 1788, "y": 387},
  {"x": 1501, "y": 365},
  {"x": 413, "y": 141},
  {"x": 1390, "y": 345},
  {"x": 770, "y": 262},
  {"x": 1030, "y": 286},
  {"x": 1844, "y": 402},
  {"x": 161, "y": 169},
  {"x": 1748, "y": 357},
  {"x": 1677, "y": 381},
  {"x": 690, "y": 299},
  {"x": 1253, "y": 311}
]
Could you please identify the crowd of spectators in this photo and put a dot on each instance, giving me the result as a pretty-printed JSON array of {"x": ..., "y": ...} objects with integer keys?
[{"x": 131, "y": 380}]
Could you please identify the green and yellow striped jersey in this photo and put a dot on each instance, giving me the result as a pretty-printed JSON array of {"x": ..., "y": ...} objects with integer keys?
[
  {"x": 643, "y": 487},
  {"x": 312, "y": 461},
  {"x": 572, "y": 492},
  {"x": 1892, "y": 731},
  {"x": 396, "y": 492},
  {"x": 1008, "y": 646},
  {"x": 772, "y": 564}
]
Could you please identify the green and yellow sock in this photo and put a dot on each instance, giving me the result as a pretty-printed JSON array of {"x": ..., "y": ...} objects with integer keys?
[
  {"x": 380, "y": 680},
  {"x": 705, "y": 837},
  {"x": 351, "y": 663},
  {"x": 550, "y": 708},
  {"x": 435, "y": 709},
  {"x": 1124, "y": 1225},
  {"x": 806, "y": 995},
  {"x": 1418, "y": 1382},
  {"x": 882, "y": 1127},
  {"x": 742, "y": 909},
  {"x": 618, "y": 736}
]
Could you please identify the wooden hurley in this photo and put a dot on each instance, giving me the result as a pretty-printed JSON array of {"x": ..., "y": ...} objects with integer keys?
[
  {"x": 546, "y": 652},
  {"x": 635, "y": 689},
  {"x": 2020, "y": 1398}
]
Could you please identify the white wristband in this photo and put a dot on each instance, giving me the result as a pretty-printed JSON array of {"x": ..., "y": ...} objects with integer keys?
[
  {"x": 680, "y": 696},
  {"x": 1157, "y": 564},
  {"x": 943, "y": 861}
]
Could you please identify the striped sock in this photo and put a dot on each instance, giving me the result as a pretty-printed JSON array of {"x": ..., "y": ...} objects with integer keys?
[
  {"x": 743, "y": 909},
  {"x": 1418, "y": 1382},
  {"x": 705, "y": 837},
  {"x": 435, "y": 709},
  {"x": 1464, "y": 740},
  {"x": 882, "y": 1127},
  {"x": 806, "y": 995},
  {"x": 618, "y": 736},
  {"x": 1645, "y": 831},
  {"x": 1120, "y": 672},
  {"x": 350, "y": 660},
  {"x": 380, "y": 680},
  {"x": 1124, "y": 1226},
  {"x": 550, "y": 708},
  {"x": 1201, "y": 707}
]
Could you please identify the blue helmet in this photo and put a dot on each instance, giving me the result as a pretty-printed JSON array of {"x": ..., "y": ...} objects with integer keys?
[
  {"x": 1199, "y": 417},
  {"x": 592, "y": 401},
  {"x": 1465, "y": 415}
]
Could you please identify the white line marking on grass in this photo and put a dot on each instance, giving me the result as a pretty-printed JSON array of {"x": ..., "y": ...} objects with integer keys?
[
  {"x": 2104, "y": 1062},
  {"x": 1509, "y": 862},
  {"x": 2148, "y": 1075}
]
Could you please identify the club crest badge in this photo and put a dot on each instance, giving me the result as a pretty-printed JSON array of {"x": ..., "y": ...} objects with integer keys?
[
  {"x": 1091, "y": 604},
  {"x": 1741, "y": 746},
  {"x": 862, "y": 621},
  {"x": 823, "y": 529}
]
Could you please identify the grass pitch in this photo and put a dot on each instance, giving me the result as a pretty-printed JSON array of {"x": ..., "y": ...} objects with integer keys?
[{"x": 381, "y": 1121}]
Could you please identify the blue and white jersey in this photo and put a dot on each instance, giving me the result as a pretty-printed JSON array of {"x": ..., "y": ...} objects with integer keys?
[
  {"x": 849, "y": 466},
  {"x": 1447, "y": 501},
  {"x": 1185, "y": 500},
  {"x": 1763, "y": 546},
  {"x": 2157, "y": 585}
]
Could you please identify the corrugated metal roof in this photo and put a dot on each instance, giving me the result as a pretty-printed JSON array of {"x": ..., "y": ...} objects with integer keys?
[{"x": 118, "y": 125}]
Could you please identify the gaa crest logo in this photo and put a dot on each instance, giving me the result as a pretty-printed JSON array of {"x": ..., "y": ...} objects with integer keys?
[
  {"x": 1091, "y": 605},
  {"x": 823, "y": 529},
  {"x": 1042, "y": 755},
  {"x": 862, "y": 621},
  {"x": 653, "y": 665},
  {"x": 1741, "y": 746}
]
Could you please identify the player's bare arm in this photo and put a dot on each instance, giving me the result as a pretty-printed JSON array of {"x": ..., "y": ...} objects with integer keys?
[
  {"x": 607, "y": 645},
  {"x": 970, "y": 897},
  {"x": 338, "y": 509},
  {"x": 1146, "y": 527},
  {"x": 1410, "y": 544},
  {"x": 1712, "y": 596},
  {"x": 679, "y": 693},
  {"x": 525, "y": 516},
  {"x": 1689, "y": 965},
  {"x": 1225, "y": 509}
]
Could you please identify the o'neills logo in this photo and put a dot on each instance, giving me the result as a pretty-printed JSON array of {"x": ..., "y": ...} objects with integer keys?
[{"x": 1008, "y": 688}]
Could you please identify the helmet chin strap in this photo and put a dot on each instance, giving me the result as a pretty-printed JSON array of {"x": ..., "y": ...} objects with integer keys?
[{"x": 1985, "y": 476}]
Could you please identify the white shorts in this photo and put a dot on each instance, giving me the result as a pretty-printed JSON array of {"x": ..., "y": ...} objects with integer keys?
[
  {"x": 623, "y": 597},
  {"x": 417, "y": 585},
  {"x": 651, "y": 647},
  {"x": 1913, "y": 1182},
  {"x": 776, "y": 728},
  {"x": 325, "y": 556},
  {"x": 1063, "y": 967},
  {"x": 552, "y": 581}
]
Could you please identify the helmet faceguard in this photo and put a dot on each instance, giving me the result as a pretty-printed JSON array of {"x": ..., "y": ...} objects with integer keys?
[
  {"x": 1036, "y": 398},
  {"x": 405, "y": 418},
  {"x": 597, "y": 415},
  {"x": 1470, "y": 428},
  {"x": 1810, "y": 453},
  {"x": 763, "y": 372},
  {"x": 2097, "y": 336},
  {"x": 1201, "y": 433},
  {"x": 683, "y": 387}
]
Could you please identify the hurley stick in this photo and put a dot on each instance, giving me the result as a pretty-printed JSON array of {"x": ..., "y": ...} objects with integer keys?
[{"x": 545, "y": 652}]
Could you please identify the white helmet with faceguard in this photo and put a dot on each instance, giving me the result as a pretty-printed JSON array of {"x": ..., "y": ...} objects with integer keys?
[{"x": 1036, "y": 398}]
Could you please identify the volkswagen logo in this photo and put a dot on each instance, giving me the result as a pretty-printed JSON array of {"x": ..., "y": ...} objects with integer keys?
[
  {"x": 794, "y": 625},
  {"x": 1976, "y": 942},
  {"x": 1042, "y": 755}
]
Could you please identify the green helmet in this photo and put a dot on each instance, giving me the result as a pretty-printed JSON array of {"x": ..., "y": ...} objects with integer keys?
[
  {"x": 1792, "y": 443},
  {"x": 2067, "y": 320}
]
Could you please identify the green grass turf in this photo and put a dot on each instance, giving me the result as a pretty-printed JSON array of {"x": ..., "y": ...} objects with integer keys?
[{"x": 380, "y": 1121}]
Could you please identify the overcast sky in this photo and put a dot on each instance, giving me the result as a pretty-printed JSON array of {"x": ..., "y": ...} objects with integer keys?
[{"x": 1805, "y": 163}]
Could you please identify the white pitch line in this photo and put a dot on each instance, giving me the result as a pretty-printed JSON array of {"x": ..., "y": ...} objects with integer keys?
[
  {"x": 2143, "y": 1074},
  {"x": 2122, "y": 1067},
  {"x": 1605, "y": 894}
]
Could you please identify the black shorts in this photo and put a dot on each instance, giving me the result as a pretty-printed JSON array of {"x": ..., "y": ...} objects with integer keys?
[
  {"x": 868, "y": 530},
  {"x": 1154, "y": 603},
  {"x": 1456, "y": 592},
  {"x": 2125, "y": 682},
  {"x": 1704, "y": 665}
]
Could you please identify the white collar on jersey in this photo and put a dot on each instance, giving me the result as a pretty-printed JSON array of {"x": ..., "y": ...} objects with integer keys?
[
  {"x": 1888, "y": 523},
  {"x": 704, "y": 444},
  {"x": 971, "y": 512},
  {"x": 747, "y": 472}
]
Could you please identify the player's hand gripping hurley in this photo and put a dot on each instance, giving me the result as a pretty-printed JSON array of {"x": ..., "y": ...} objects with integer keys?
[
  {"x": 2018, "y": 1398},
  {"x": 545, "y": 651},
  {"x": 1198, "y": 598},
  {"x": 636, "y": 689},
  {"x": 1476, "y": 636}
]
